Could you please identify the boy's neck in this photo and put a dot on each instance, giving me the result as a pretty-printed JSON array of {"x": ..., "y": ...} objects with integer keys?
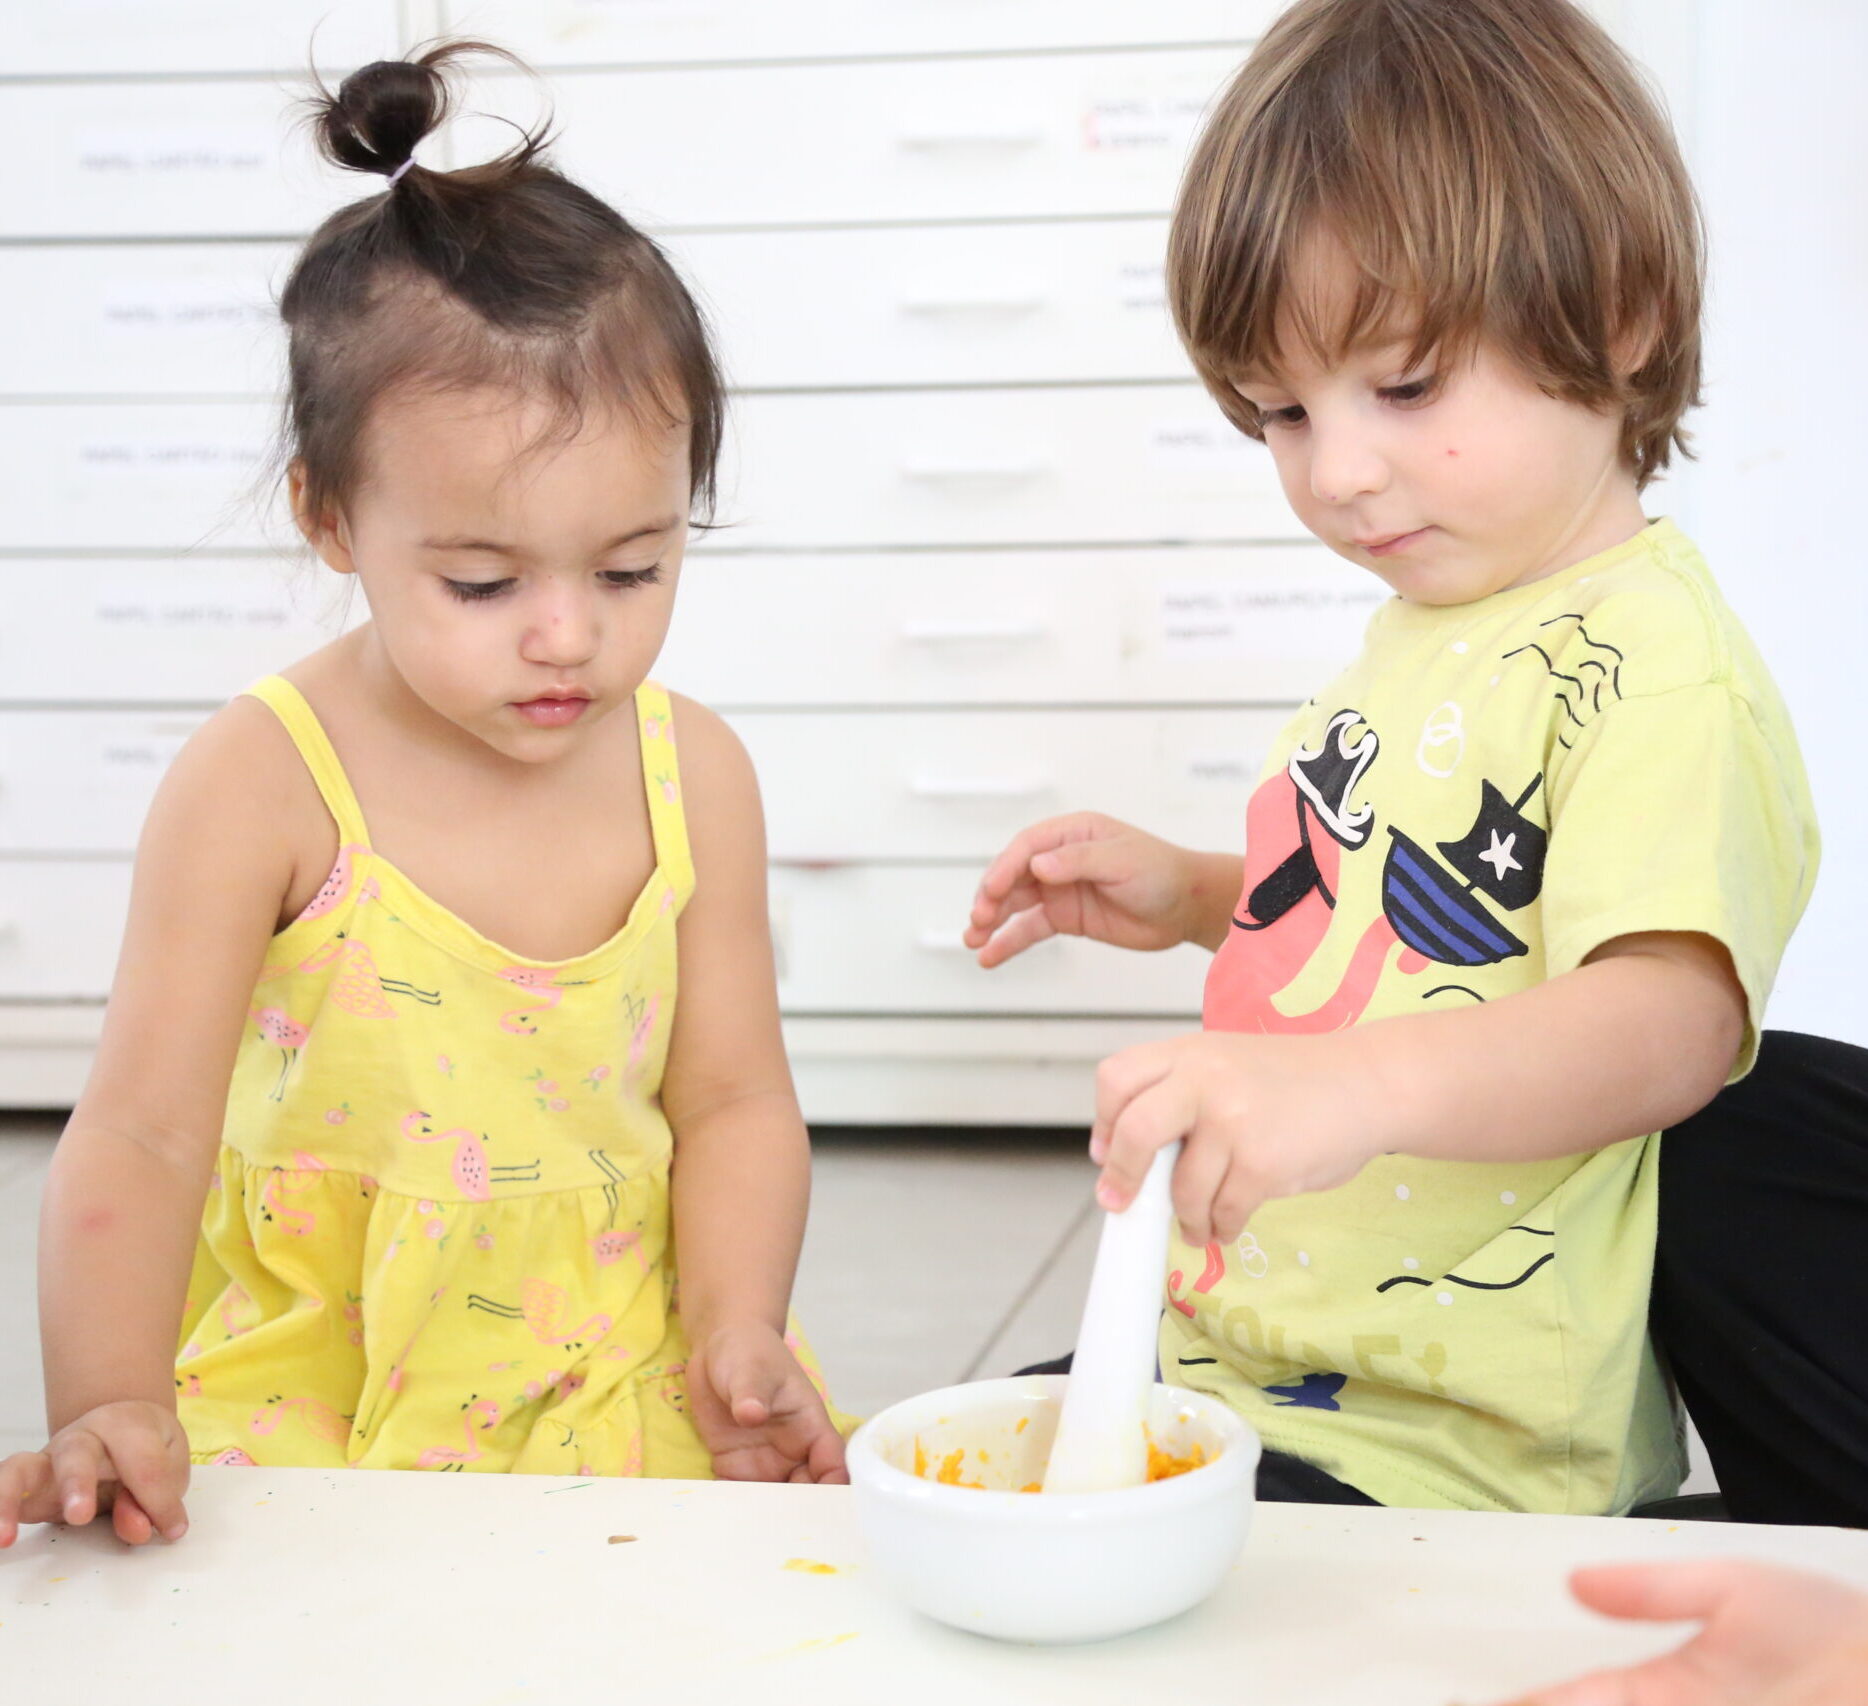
[{"x": 1613, "y": 519}]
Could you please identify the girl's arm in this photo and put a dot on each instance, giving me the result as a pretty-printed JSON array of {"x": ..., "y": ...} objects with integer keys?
[
  {"x": 1641, "y": 1035},
  {"x": 742, "y": 1154},
  {"x": 123, "y": 1198}
]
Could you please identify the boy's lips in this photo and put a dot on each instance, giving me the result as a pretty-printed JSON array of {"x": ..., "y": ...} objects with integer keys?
[{"x": 1383, "y": 543}]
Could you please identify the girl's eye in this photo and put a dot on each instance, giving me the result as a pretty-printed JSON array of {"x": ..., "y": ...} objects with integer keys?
[
  {"x": 633, "y": 577},
  {"x": 471, "y": 592},
  {"x": 1414, "y": 391}
]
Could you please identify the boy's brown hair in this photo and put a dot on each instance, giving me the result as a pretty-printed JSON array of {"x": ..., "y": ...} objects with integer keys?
[{"x": 1495, "y": 167}]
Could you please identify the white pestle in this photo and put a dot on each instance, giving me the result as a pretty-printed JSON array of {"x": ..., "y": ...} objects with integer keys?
[{"x": 1101, "y": 1435}]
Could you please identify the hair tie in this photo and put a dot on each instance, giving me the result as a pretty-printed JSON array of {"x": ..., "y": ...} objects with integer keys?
[{"x": 393, "y": 176}]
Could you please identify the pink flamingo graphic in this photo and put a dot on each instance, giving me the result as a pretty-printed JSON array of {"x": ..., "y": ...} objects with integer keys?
[
  {"x": 302, "y": 1175},
  {"x": 287, "y": 1035},
  {"x": 542, "y": 1307},
  {"x": 233, "y": 1298},
  {"x": 233, "y": 1458},
  {"x": 336, "y": 885},
  {"x": 447, "y": 1457},
  {"x": 611, "y": 1246},
  {"x": 639, "y": 1039},
  {"x": 320, "y": 1420},
  {"x": 359, "y": 988},
  {"x": 471, "y": 1173},
  {"x": 537, "y": 981}
]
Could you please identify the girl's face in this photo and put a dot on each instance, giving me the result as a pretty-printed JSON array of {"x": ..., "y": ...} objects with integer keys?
[
  {"x": 520, "y": 586},
  {"x": 1449, "y": 481}
]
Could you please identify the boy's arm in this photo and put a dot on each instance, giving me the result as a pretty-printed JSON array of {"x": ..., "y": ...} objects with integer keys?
[
  {"x": 742, "y": 1154},
  {"x": 1641, "y": 1035}
]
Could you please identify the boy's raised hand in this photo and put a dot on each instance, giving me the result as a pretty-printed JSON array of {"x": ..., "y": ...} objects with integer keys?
[
  {"x": 1081, "y": 875},
  {"x": 1260, "y": 1116},
  {"x": 130, "y": 1458},
  {"x": 757, "y": 1411}
]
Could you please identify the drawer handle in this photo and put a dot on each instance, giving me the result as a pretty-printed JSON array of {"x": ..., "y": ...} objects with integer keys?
[
  {"x": 938, "y": 141},
  {"x": 978, "y": 788},
  {"x": 983, "y": 304},
  {"x": 959, "y": 630},
  {"x": 935, "y": 471}
]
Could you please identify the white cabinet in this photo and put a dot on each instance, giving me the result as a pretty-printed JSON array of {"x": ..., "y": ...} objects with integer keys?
[
  {"x": 94, "y": 38},
  {"x": 560, "y": 33}
]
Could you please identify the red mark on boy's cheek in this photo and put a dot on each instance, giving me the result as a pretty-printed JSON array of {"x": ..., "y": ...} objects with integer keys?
[{"x": 1451, "y": 451}]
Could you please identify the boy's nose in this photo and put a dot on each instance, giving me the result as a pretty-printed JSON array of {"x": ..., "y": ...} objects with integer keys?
[{"x": 1344, "y": 466}]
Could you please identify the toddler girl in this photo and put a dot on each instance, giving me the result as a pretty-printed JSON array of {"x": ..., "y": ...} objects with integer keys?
[{"x": 398, "y": 994}]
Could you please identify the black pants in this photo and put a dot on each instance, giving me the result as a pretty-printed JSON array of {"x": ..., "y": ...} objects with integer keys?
[
  {"x": 1761, "y": 1282},
  {"x": 1760, "y": 1290}
]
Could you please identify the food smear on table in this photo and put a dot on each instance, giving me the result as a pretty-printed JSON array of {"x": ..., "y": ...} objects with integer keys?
[
  {"x": 809, "y": 1567},
  {"x": 950, "y": 1470}
]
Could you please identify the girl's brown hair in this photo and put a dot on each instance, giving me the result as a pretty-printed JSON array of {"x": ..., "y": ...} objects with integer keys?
[
  {"x": 503, "y": 275},
  {"x": 1494, "y": 169}
]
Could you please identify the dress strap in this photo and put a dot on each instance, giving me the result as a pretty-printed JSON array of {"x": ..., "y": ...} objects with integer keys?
[
  {"x": 314, "y": 746},
  {"x": 661, "y": 776}
]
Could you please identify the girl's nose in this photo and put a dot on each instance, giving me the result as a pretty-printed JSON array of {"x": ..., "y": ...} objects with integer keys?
[{"x": 563, "y": 632}]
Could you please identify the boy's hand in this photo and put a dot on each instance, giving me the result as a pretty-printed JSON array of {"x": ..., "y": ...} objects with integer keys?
[
  {"x": 1081, "y": 875},
  {"x": 757, "y": 1411},
  {"x": 1769, "y": 1637},
  {"x": 130, "y": 1458},
  {"x": 1261, "y": 1117}
]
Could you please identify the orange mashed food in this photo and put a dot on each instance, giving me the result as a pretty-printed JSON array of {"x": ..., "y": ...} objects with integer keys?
[{"x": 1162, "y": 1465}]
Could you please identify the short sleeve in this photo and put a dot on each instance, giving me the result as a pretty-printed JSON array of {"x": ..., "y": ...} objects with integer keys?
[{"x": 1674, "y": 813}]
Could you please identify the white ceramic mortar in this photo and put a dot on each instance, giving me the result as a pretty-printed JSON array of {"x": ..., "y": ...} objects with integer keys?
[{"x": 1047, "y": 1566}]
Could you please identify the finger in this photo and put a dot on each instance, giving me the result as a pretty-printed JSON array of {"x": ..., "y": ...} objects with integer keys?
[
  {"x": 1119, "y": 1080},
  {"x": 1659, "y": 1593},
  {"x": 25, "y": 1479},
  {"x": 1198, "y": 1178},
  {"x": 1238, "y": 1198},
  {"x": 1603, "y": 1688},
  {"x": 749, "y": 1387},
  {"x": 989, "y": 912},
  {"x": 1103, "y": 860},
  {"x": 1015, "y": 858},
  {"x": 129, "y": 1519},
  {"x": 79, "y": 1466},
  {"x": 155, "y": 1480},
  {"x": 1152, "y": 1121},
  {"x": 1026, "y": 930},
  {"x": 826, "y": 1460}
]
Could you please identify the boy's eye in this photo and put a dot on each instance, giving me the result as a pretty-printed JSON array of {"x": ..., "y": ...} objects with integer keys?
[
  {"x": 471, "y": 592},
  {"x": 1290, "y": 416}
]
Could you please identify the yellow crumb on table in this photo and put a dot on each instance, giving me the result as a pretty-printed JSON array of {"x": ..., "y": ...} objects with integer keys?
[{"x": 810, "y": 1567}]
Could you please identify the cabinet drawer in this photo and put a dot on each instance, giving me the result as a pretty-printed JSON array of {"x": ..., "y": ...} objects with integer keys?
[
  {"x": 162, "y": 159},
  {"x": 946, "y": 305},
  {"x": 904, "y": 141},
  {"x": 1048, "y": 465},
  {"x": 81, "y": 781},
  {"x": 886, "y": 939},
  {"x": 960, "y": 784},
  {"x": 137, "y": 475},
  {"x": 134, "y": 319},
  {"x": 102, "y": 37},
  {"x": 1127, "y": 464},
  {"x": 1262, "y": 624},
  {"x": 587, "y": 32},
  {"x": 61, "y": 925},
  {"x": 191, "y": 632}
]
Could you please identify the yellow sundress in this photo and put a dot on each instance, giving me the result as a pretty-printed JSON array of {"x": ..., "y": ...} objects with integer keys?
[{"x": 438, "y": 1233}]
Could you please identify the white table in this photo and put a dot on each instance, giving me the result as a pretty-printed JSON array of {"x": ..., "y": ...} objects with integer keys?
[{"x": 297, "y": 1586}]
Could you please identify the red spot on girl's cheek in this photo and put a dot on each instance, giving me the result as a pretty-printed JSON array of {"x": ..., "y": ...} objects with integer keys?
[{"x": 1451, "y": 451}]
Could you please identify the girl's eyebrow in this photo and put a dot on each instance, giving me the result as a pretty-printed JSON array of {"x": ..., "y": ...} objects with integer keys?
[{"x": 496, "y": 548}]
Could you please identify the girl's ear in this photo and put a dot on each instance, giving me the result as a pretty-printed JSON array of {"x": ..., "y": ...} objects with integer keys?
[{"x": 324, "y": 532}]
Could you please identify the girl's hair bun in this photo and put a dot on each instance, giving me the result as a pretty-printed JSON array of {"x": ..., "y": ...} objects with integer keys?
[{"x": 382, "y": 110}]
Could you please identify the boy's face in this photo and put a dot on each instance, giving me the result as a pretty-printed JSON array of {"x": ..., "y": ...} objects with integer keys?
[{"x": 1451, "y": 481}]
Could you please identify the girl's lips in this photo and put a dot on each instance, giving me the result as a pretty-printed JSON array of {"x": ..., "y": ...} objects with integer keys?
[{"x": 551, "y": 713}]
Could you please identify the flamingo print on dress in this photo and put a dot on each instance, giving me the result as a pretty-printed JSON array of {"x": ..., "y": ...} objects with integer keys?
[
  {"x": 542, "y": 1307},
  {"x": 287, "y": 1035},
  {"x": 284, "y": 1181},
  {"x": 539, "y": 982},
  {"x": 359, "y": 988},
  {"x": 639, "y": 1038},
  {"x": 473, "y": 1173},
  {"x": 320, "y": 1420},
  {"x": 450, "y": 1457},
  {"x": 336, "y": 885}
]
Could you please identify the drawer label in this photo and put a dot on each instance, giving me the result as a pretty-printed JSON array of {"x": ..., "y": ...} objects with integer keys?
[
  {"x": 169, "y": 150},
  {"x": 228, "y": 304},
  {"x": 1308, "y": 615}
]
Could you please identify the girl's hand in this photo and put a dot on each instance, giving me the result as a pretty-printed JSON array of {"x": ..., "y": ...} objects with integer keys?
[
  {"x": 1261, "y": 1117},
  {"x": 1768, "y": 1637},
  {"x": 1082, "y": 875},
  {"x": 130, "y": 1458},
  {"x": 757, "y": 1411}
]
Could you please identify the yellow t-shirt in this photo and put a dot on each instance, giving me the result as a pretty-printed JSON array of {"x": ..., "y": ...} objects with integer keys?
[{"x": 1488, "y": 794}]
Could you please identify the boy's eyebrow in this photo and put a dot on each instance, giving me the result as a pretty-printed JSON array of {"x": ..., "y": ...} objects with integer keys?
[{"x": 464, "y": 542}]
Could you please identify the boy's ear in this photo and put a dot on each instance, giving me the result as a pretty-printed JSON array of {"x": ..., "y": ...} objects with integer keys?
[{"x": 324, "y": 532}]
